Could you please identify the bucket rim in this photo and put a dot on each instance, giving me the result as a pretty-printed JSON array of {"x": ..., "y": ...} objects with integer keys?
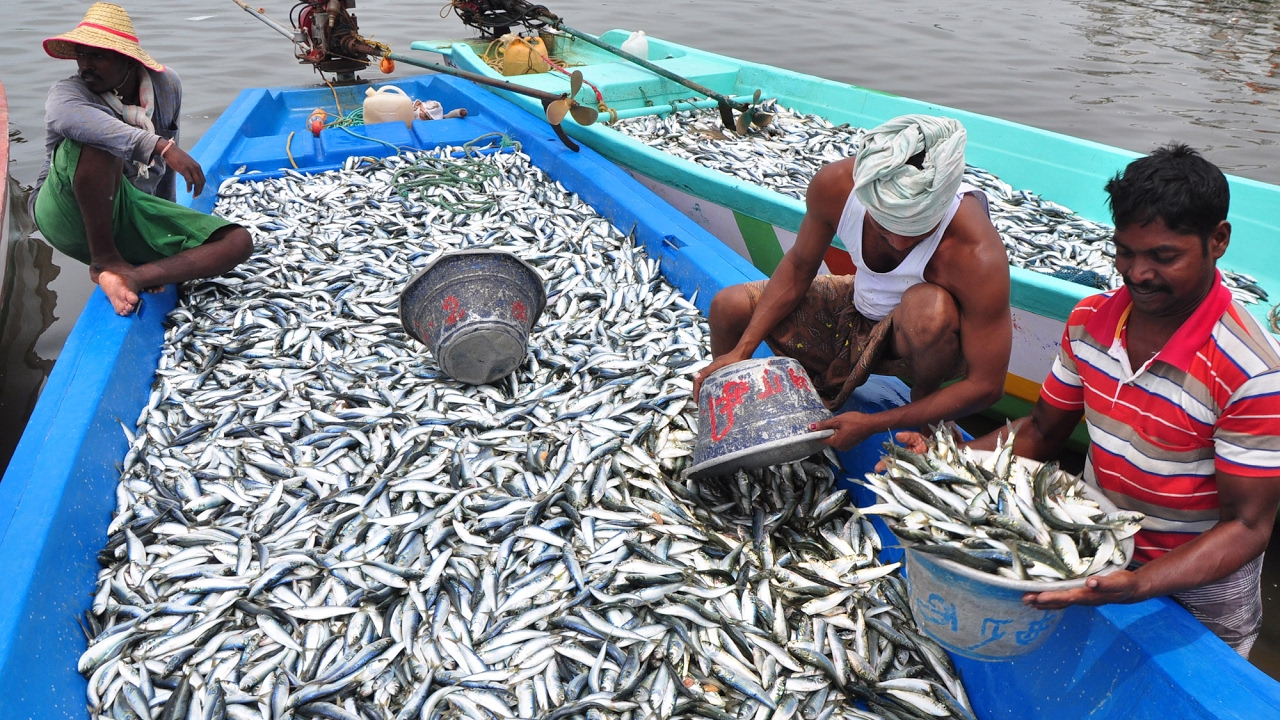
[
  {"x": 540, "y": 298},
  {"x": 1000, "y": 581},
  {"x": 751, "y": 362},
  {"x": 710, "y": 465}
]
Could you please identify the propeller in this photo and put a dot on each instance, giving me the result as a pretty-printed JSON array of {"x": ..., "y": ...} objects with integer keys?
[
  {"x": 567, "y": 105},
  {"x": 752, "y": 115}
]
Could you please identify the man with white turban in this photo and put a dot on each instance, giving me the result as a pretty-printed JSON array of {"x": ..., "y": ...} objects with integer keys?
[{"x": 929, "y": 301}]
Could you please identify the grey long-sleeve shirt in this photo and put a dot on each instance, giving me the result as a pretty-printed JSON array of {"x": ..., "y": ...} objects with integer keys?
[{"x": 74, "y": 112}]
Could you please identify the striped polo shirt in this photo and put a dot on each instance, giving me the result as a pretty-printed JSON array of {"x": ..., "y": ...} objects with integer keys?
[{"x": 1209, "y": 401}]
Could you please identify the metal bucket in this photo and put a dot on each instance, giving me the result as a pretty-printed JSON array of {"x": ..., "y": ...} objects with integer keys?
[
  {"x": 980, "y": 615},
  {"x": 474, "y": 309},
  {"x": 754, "y": 414}
]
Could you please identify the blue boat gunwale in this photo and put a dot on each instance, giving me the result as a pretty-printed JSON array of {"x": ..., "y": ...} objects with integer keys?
[{"x": 58, "y": 491}]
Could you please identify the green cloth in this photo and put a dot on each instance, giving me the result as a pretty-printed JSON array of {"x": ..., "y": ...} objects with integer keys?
[{"x": 146, "y": 228}]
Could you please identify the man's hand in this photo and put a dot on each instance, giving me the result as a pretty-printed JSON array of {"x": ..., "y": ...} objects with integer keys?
[
  {"x": 1122, "y": 586},
  {"x": 187, "y": 167},
  {"x": 912, "y": 441},
  {"x": 851, "y": 428},
  {"x": 726, "y": 359}
]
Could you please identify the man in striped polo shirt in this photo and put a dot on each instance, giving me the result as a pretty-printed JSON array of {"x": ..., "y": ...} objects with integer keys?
[{"x": 1180, "y": 388}]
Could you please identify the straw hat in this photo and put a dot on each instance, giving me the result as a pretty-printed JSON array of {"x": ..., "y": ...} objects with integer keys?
[{"x": 105, "y": 26}]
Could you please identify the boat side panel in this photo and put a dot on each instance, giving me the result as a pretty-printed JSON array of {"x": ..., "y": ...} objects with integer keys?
[{"x": 57, "y": 497}]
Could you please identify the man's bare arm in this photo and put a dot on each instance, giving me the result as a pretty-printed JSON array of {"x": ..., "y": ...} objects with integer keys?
[
  {"x": 1247, "y": 511},
  {"x": 825, "y": 200},
  {"x": 986, "y": 334},
  {"x": 1039, "y": 436}
]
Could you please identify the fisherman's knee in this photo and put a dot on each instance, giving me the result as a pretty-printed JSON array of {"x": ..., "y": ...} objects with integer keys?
[
  {"x": 241, "y": 244},
  {"x": 234, "y": 243},
  {"x": 730, "y": 307},
  {"x": 927, "y": 318}
]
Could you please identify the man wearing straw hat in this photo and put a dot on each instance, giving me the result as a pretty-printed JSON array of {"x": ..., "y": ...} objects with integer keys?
[
  {"x": 929, "y": 300},
  {"x": 106, "y": 194}
]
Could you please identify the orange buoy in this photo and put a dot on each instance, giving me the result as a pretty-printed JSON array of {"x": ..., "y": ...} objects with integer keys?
[{"x": 387, "y": 66}]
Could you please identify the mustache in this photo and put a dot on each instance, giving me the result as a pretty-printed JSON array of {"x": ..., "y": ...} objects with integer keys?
[
  {"x": 87, "y": 76},
  {"x": 1147, "y": 287}
]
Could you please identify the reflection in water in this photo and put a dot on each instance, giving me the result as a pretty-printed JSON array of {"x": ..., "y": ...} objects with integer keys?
[
  {"x": 26, "y": 312},
  {"x": 1142, "y": 54}
]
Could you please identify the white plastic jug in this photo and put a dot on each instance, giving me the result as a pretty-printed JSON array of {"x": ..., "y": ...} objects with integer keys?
[
  {"x": 387, "y": 104},
  {"x": 637, "y": 44}
]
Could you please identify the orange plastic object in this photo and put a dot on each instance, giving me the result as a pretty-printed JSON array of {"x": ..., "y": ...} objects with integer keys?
[
  {"x": 387, "y": 66},
  {"x": 315, "y": 123}
]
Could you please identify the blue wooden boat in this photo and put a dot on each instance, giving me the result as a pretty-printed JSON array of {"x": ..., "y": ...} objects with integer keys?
[
  {"x": 1146, "y": 660},
  {"x": 760, "y": 224}
]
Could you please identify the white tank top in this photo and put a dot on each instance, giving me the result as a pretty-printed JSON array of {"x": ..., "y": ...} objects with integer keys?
[{"x": 876, "y": 294}]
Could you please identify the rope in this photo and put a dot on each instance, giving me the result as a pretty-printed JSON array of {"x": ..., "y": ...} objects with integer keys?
[
  {"x": 467, "y": 175},
  {"x": 335, "y": 92},
  {"x": 397, "y": 148},
  {"x": 351, "y": 119},
  {"x": 288, "y": 142}
]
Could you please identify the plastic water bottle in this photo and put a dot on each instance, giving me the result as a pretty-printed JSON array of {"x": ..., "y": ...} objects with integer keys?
[{"x": 637, "y": 44}]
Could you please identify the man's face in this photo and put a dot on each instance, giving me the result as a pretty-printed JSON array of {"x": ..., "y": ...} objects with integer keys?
[
  {"x": 102, "y": 70},
  {"x": 1168, "y": 273}
]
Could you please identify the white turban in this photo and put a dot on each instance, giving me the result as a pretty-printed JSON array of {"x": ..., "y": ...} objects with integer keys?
[{"x": 899, "y": 197}]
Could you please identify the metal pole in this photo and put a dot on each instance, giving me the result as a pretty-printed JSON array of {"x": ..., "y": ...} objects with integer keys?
[
  {"x": 476, "y": 77},
  {"x": 293, "y": 35},
  {"x": 723, "y": 102}
]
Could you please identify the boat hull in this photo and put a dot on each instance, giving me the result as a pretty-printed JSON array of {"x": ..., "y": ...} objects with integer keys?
[{"x": 761, "y": 224}]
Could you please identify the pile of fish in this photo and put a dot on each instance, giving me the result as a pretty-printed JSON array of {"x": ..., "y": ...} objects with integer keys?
[
  {"x": 995, "y": 515},
  {"x": 1038, "y": 234},
  {"x": 314, "y": 522}
]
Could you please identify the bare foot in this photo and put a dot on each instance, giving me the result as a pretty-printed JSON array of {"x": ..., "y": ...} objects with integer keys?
[{"x": 120, "y": 291}]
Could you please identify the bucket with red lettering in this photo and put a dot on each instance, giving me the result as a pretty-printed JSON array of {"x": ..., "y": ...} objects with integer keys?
[
  {"x": 754, "y": 414},
  {"x": 474, "y": 309}
]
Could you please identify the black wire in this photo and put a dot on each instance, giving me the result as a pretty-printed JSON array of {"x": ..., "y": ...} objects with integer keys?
[{"x": 489, "y": 15}]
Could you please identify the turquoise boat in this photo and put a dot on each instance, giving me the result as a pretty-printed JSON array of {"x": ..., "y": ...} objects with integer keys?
[
  {"x": 761, "y": 224},
  {"x": 1149, "y": 660}
]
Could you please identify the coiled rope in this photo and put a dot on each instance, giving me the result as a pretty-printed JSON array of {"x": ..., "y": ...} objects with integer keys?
[{"x": 465, "y": 175}]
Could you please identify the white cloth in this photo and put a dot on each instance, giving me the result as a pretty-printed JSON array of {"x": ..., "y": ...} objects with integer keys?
[
  {"x": 901, "y": 198},
  {"x": 138, "y": 115},
  {"x": 876, "y": 294}
]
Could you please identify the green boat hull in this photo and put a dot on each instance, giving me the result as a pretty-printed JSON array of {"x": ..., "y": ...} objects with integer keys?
[{"x": 760, "y": 224}]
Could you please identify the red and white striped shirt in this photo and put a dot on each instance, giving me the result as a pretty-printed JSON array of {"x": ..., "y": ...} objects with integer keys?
[{"x": 1208, "y": 402}]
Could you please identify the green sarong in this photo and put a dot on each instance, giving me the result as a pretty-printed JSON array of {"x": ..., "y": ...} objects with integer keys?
[{"x": 146, "y": 228}]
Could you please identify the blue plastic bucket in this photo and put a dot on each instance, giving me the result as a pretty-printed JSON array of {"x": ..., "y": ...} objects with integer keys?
[
  {"x": 754, "y": 414},
  {"x": 474, "y": 309},
  {"x": 980, "y": 615}
]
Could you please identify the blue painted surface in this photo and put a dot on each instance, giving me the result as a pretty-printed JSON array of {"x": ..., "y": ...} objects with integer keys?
[
  {"x": 58, "y": 493},
  {"x": 56, "y": 500},
  {"x": 970, "y": 617},
  {"x": 1150, "y": 660}
]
